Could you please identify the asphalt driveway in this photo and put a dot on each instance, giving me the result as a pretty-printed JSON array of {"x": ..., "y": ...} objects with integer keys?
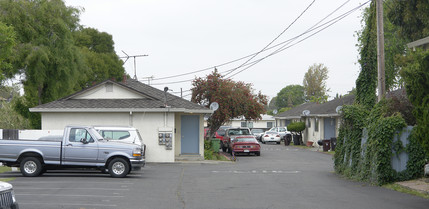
[{"x": 282, "y": 177}]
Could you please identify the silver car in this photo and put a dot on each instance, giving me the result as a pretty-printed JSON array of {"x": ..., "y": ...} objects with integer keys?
[{"x": 7, "y": 196}]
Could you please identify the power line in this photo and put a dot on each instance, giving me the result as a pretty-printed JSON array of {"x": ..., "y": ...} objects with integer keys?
[
  {"x": 263, "y": 49},
  {"x": 326, "y": 24},
  {"x": 284, "y": 43},
  {"x": 286, "y": 46}
]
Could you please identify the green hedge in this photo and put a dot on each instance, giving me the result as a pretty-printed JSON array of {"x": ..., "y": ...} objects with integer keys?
[
  {"x": 296, "y": 127},
  {"x": 373, "y": 163}
]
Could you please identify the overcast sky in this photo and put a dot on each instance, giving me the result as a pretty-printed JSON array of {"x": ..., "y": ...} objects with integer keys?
[{"x": 191, "y": 35}]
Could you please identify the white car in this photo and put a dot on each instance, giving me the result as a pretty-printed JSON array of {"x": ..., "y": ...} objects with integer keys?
[
  {"x": 282, "y": 131},
  {"x": 271, "y": 136}
]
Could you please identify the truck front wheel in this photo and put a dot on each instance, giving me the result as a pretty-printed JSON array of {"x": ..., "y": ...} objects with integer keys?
[
  {"x": 118, "y": 168},
  {"x": 31, "y": 166}
]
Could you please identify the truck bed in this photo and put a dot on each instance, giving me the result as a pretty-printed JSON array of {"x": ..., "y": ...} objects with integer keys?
[{"x": 11, "y": 149}]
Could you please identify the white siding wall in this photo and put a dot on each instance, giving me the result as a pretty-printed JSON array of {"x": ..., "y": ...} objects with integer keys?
[
  {"x": 102, "y": 92},
  {"x": 313, "y": 135},
  {"x": 147, "y": 124},
  {"x": 256, "y": 124}
]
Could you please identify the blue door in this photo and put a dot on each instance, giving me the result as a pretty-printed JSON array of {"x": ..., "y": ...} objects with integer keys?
[
  {"x": 329, "y": 128},
  {"x": 190, "y": 134}
]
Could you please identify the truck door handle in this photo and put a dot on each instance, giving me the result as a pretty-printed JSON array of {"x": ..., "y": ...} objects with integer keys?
[{"x": 69, "y": 145}]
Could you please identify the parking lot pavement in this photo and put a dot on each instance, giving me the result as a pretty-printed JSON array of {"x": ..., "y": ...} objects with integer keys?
[
  {"x": 282, "y": 177},
  {"x": 70, "y": 189}
]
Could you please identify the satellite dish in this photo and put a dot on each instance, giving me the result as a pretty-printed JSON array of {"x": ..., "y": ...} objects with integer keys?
[
  {"x": 275, "y": 112},
  {"x": 338, "y": 109},
  {"x": 214, "y": 106},
  {"x": 306, "y": 112}
]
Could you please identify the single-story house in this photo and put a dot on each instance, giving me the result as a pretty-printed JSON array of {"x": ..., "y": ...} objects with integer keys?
[
  {"x": 266, "y": 122},
  {"x": 322, "y": 120},
  {"x": 153, "y": 112}
]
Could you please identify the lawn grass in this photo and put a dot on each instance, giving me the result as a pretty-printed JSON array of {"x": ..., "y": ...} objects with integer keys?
[
  {"x": 402, "y": 189},
  {"x": 5, "y": 169}
]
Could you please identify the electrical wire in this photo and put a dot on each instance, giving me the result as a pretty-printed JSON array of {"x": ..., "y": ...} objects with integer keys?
[
  {"x": 335, "y": 20},
  {"x": 331, "y": 22},
  {"x": 263, "y": 49},
  {"x": 285, "y": 43}
]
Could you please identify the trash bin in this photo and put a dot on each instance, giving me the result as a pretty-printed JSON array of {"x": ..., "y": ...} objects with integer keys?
[
  {"x": 215, "y": 144},
  {"x": 333, "y": 143},
  {"x": 288, "y": 139},
  {"x": 326, "y": 145},
  {"x": 296, "y": 140}
]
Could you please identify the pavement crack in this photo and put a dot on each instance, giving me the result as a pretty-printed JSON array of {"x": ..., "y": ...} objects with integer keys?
[{"x": 179, "y": 188}]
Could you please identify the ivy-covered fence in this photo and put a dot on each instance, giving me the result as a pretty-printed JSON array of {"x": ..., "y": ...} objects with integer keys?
[{"x": 366, "y": 145}]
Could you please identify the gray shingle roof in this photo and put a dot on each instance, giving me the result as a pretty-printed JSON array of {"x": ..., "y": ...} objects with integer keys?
[
  {"x": 154, "y": 98},
  {"x": 326, "y": 108}
]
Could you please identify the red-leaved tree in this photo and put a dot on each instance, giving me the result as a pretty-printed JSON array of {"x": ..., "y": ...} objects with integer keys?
[{"x": 235, "y": 99}]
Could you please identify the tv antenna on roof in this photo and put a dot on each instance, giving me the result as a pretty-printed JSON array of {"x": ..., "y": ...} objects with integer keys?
[{"x": 133, "y": 56}]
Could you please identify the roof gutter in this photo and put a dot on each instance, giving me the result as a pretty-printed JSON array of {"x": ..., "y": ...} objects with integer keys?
[{"x": 119, "y": 110}]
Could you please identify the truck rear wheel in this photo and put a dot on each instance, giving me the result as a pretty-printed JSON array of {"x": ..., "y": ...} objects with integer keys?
[
  {"x": 119, "y": 168},
  {"x": 31, "y": 166}
]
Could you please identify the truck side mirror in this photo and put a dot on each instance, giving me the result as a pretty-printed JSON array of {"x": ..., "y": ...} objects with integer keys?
[{"x": 84, "y": 141}]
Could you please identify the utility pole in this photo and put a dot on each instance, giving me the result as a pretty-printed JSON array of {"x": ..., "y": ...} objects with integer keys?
[
  {"x": 380, "y": 50},
  {"x": 133, "y": 56},
  {"x": 148, "y": 79}
]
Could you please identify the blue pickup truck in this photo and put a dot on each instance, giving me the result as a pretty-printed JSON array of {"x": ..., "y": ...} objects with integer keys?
[{"x": 79, "y": 147}]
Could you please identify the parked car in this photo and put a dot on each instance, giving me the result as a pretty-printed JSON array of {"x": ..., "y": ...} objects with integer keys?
[
  {"x": 218, "y": 134},
  {"x": 282, "y": 131},
  {"x": 126, "y": 134},
  {"x": 245, "y": 144},
  {"x": 258, "y": 132},
  {"x": 7, "y": 196},
  {"x": 79, "y": 147},
  {"x": 230, "y": 134},
  {"x": 271, "y": 136}
]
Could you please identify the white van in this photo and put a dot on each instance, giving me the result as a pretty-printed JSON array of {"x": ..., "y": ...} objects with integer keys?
[{"x": 126, "y": 134}]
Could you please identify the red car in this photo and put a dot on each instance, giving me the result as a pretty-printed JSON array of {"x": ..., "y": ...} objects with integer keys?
[
  {"x": 218, "y": 134},
  {"x": 245, "y": 144}
]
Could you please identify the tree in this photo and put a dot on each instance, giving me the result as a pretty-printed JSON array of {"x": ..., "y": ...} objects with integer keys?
[
  {"x": 290, "y": 96},
  {"x": 55, "y": 55},
  {"x": 7, "y": 42},
  {"x": 411, "y": 17},
  {"x": 416, "y": 75},
  {"x": 394, "y": 47},
  {"x": 366, "y": 82},
  {"x": 99, "y": 56},
  {"x": 235, "y": 99},
  {"x": 9, "y": 118},
  {"x": 45, "y": 51},
  {"x": 315, "y": 83}
]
